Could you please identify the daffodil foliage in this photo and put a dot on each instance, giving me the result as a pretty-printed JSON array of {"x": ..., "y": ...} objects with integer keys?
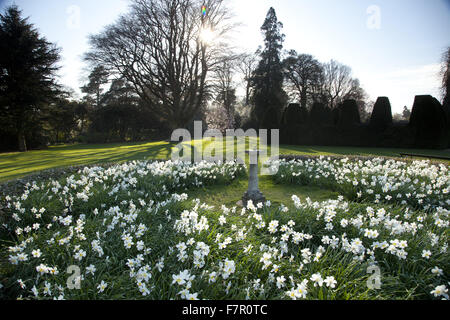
[{"x": 129, "y": 232}]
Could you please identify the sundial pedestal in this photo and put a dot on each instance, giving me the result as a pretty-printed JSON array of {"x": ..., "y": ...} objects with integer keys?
[{"x": 253, "y": 192}]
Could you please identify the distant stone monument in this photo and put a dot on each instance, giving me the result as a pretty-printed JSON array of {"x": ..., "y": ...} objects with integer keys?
[{"x": 253, "y": 192}]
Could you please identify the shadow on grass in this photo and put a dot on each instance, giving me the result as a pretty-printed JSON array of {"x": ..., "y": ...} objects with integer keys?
[
  {"x": 15, "y": 165},
  {"x": 18, "y": 165}
]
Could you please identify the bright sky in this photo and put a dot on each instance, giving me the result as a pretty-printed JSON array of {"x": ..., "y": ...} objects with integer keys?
[{"x": 393, "y": 46}]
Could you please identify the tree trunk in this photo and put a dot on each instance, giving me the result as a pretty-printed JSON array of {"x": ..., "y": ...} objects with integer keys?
[
  {"x": 303, "y": 99},
  {"x": 22, "y": 141},
  {"x": 247, "y": 94}
]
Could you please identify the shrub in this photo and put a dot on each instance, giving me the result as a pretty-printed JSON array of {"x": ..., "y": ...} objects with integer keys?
[
  {"x": 294, "y": 119},
  {"x": 382, "y": 114},
  {"x": 270, "y": 119},
  {"x": 349, "y": 114},
  {"x": 294, "y": 115},
  {"x": 429, "y": 122},
  {"x": 8, "y": 141},
  {"x": 320, "y": 114}
]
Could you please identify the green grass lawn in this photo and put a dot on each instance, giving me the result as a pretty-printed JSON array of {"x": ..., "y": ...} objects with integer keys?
[
  {"x": 16, "y": 165},
  {"x": 229, "y": 195}
]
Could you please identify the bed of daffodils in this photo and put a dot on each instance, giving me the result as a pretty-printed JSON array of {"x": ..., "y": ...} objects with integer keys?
[
  {"x": 130, "y": 232},
  {"x": 419, "y": 184}
]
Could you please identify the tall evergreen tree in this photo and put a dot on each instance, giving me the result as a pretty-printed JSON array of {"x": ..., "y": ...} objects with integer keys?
[
  {"x": 267, "y": 81},
  {"x": 93, "y": 90},
  {"x": 27, "y": 74}
]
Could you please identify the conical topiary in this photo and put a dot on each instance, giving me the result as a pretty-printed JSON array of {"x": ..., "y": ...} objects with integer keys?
[
  {"x": 320, "y": 114},
  {"x": 429, "y": 121},
  {"x": 295, "y": 115},
  {"x": 349, "y": 114},
  {"x": 381, "y": 114}
]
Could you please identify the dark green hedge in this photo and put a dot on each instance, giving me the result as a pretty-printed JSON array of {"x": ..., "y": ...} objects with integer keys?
[{"x": 428, "y": 127}]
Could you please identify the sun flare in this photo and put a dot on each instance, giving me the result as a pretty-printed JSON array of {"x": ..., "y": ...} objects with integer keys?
[{"x": 207, "y": 35}]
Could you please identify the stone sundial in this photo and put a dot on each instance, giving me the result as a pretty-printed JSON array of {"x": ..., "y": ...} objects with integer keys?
[{"x": 253, "y": 193}]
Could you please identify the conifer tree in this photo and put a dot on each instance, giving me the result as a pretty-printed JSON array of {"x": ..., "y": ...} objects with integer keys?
[
  {"x": 267, "y": 81},
  {"x": 27, "y": 74}
]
